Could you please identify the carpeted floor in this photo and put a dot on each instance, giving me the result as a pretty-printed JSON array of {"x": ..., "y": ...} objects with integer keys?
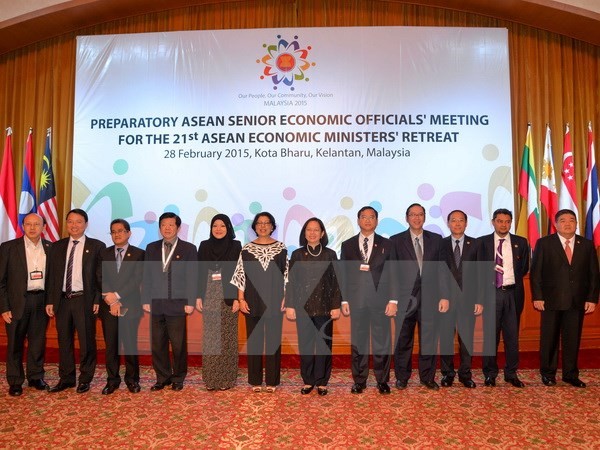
[{"x": 502, "y": 417}]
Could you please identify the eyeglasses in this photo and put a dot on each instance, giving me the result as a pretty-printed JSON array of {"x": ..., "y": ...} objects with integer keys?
[
  {"x": 263, "y": 223},
  {"x": 118, "y": 232},
  {"x": 416, "y": 215}
]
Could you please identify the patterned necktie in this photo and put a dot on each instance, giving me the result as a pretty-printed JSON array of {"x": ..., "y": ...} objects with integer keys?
[
  {"x": 419, "y": 253},
  {"x": 457, "y": 254},
  {"x": 366, "y": 250},
  {"x": 119, "y": 258},
  {"x": 69, "y": 281},
  {"x": 568, "y": 251},
  {"x": 499, "y": 274}
]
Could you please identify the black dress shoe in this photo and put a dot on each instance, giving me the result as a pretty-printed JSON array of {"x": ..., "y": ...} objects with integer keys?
[
  {"x": 61, "y": 386},
  {"x": 109, "y": 389},
  {"x": 358, "y": 388},
  {"x": 177, "y": 386},
  {"x": 306, "y": 390},
  {"x": 575, "y": 382},
  {"x": 159, "y": 386},
  {"x": 83, "y": 387},
  {"x": 447, "y": 381},
  {"x": 549, "y": 381},
  {"x": 401, "y": 384},
  {"x": 322, "y": 390},
  {"x": 490, "y": 382},
  {"x": 430, "y": 385},
  {"x": 515, "y": 382},
  {"x": 468, "y": 383},
  {"x": 384, "y": 388},
  {"x": 39, "y": 384},
  {"x": 15, "y": 391},
  {"x": 134, "y": 387}
]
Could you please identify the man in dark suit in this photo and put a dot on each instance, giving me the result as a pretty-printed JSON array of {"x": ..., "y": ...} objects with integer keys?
[
  {"x": 23, "y": 270},
  {"x": 121, "y": 274},
  {"x": 564, "y": 287},
  {"x": 365, "y": 293},
  {"x": 459, "y": 253},
  {"x": 508, "y": 254},
  {"x": 420, "y": 252},
  {"x": 169, "y": 291},
  {"x": 74, "y": 298}
]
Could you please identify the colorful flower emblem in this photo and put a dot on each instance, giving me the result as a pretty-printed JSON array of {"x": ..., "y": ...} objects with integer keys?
[{"x": 285, "y": 62}]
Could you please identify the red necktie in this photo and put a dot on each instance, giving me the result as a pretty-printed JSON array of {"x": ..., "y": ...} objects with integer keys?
[{"x": 568, "y": 251}]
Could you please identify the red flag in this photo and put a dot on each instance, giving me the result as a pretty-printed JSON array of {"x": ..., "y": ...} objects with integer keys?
[
  {"x": 8, "y": 212},
  {"x": 47, "y": 198},
  {"x": 548, "y": 195},
  {"x": 591, "y": 194},
  {"x": 568, "y": 187}
]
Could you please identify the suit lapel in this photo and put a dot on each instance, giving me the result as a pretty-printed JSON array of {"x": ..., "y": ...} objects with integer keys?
[
  {"x": 21, "y": 254},
  {"x": 408, "y": 245}
]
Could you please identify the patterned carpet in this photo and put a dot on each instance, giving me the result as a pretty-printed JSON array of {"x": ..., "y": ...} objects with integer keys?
[{"x": 501, "y": 417}]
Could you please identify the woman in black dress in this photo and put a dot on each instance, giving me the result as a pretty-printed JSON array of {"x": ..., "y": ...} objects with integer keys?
[
  {"x": 260, "y": 276},
  {"x": 218, "y": 303},
  {"x": 313, "y": 300}
]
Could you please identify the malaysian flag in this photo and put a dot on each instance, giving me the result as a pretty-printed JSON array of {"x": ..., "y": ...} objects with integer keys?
[{"x": 47, "y": 207}]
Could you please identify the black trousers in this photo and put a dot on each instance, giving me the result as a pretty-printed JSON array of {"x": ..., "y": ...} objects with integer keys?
[
  {"x": 370, "y": 326},
  {"x": 459, "y": 320},
  {"x": 169, "y": 329},
  {"x": 314, "y": 343},
  {"x": 507, "y": 322},
  {"x": 31, "y": 326},
  {"x": 563, "y": 326},
  {"x": 74, "y": 315},
  {"x": 264, "y": 337},
  {"x": 120, "y": 331}
]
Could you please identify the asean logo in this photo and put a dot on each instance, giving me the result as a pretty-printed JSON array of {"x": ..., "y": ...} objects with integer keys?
[{"x": 285, "y": 62}]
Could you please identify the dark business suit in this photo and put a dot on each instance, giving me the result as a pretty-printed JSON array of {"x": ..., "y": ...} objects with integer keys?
[
  {"x": 462, "y": 292},
  {"x": 75, "y": 314},
  {"x": 417, "y": 304},
  {"x": 29, "y": 319},
  {"x": 127, "y": 282},
  {"x": 168, "y": 292},
  {"x": 367, "y": 294},
  {"x": 564, "y": 288},
  {"x": 503, "y": 313}
]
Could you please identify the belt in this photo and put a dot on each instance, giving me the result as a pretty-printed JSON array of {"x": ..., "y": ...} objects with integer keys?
[
  {"x": 36, "y": 292},
  {"x": 507, "y": 287},
  {"x": 70, "y": 295}
]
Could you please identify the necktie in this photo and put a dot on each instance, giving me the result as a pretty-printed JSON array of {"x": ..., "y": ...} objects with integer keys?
[
  {"x": 499, "y": 274},
  {"x": 366, "y": 249},
  {"x": 168, "y": 247},
  {"x": 69, "y": 281},
  {"x": 119, "y": 258},
  {"x": 419, "y": 253},
  {"x": 568, "y": 251},
  {"x": 457, "y": 254}
]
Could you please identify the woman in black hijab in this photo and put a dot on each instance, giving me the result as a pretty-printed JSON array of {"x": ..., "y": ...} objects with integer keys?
[{"x": 218, "y": 303}]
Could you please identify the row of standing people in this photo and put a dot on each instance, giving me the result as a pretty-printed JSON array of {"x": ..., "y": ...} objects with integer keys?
[{"x": 313, "y": 299}]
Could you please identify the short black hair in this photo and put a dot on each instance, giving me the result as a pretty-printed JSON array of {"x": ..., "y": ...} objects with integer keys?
[
  {"x": 170, "y": 215},
  {"x": 122, "y": 222},
  {"x": 415, "y": 204},
  {"x": 502, "y": 211},
  {"x": 264, "y": 214},
  {"x": 324, "y": 239},
  {"x": 364, "y": 208},
  {"x": 562, "y": 212},
  {"x": 79, "y": 211},
  {"x": 457, "y": 211}
]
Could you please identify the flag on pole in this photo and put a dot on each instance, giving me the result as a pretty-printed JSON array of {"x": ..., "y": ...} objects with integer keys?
[
  {"x": 8, "y": 213},
  {"x": 548, "y": 195},
  {"x": 590, "y": 194},
  {"x": 27, "y": 203},
  {"x": 529, "y": 216},
  {"x": 48, "y": 203},
  {"x": 567, "y": 198}
]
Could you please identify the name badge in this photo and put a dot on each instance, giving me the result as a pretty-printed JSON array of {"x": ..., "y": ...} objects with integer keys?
[
  {"x": 216, "y": 276},
  {"x": 499, "y": 268},
  {"x": 364, "y": 268},
  {"x": 36, "y": 275}
]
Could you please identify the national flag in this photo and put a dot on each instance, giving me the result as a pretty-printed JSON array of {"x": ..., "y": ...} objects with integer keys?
[
  {"x": 590, "y": 194},
  {"x": 8, "y": 213},
  {"x": 548, "y": 195},
  {"x": 48, "y": 203},
  {"x": 28, "y": 203},
  {"x": 567, "y": 198},
  {"x": 529, "y": 216}
]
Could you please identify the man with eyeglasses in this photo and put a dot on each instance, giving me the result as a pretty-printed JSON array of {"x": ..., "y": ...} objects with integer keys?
[
  {"x": 121, "y": 273},
  {"x": 423, "y": 249}
]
